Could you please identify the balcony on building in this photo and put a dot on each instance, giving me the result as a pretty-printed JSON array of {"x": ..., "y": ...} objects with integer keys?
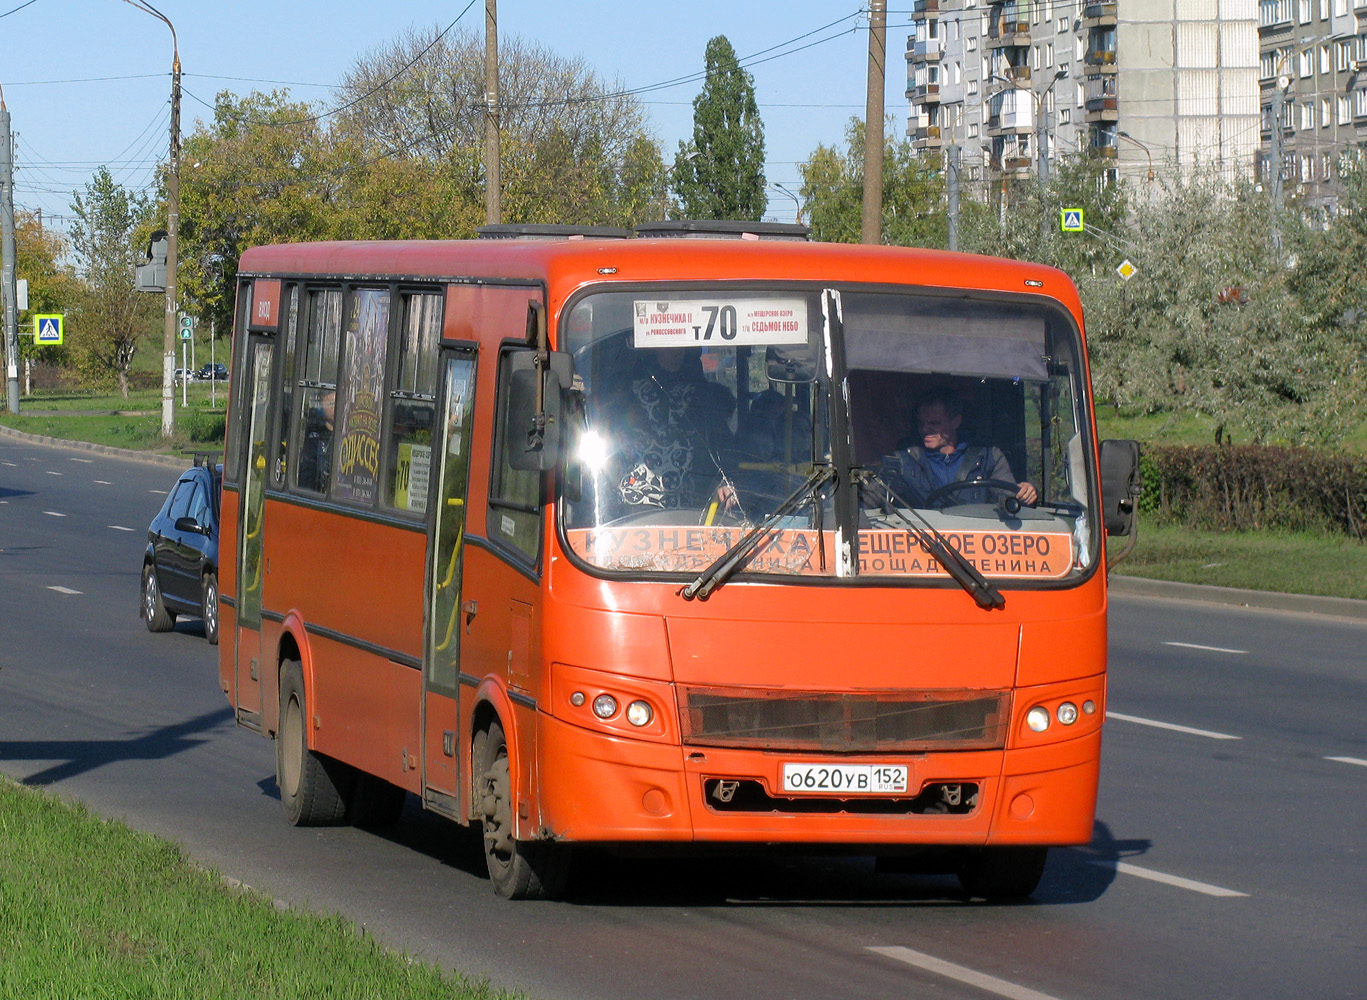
[
  {"x": 1098, "y": 15},
  {"x": 926, "y": 137},
  {"x": 1016, "y": 164},
  {"x": 924, "y": 92},
  {"x": 1100, "y": 60},
  {"x": 927, "y": 49},
  {"x": 1102, "y": 103},
  {"x": 921, "y": 9},
  {"x": 1274, "y": 16},
  {"x": 1019, "y": 75},
  {"x": 1007, "y": 26},
  {"x": 1011, "y": 113}
]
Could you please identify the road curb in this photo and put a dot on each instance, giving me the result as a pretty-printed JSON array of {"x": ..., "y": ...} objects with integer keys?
[
  {"x": 170, "y": 461},
  {"x": 1338, "y": 607}
]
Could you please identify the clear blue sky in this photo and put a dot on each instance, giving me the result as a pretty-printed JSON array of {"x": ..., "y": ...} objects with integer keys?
[{"x": 87, "y": 82}]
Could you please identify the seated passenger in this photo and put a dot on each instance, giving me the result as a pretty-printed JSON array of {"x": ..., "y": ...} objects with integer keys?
[
  {"x": 315, "y": 461},
  {"x": 669, "y": 425},
  {"x": 936, "y": 458}
]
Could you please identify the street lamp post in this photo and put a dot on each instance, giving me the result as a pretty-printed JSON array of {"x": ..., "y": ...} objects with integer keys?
[
  {"x": 1147, "y": 155},
  {"x": 168, "y": 366},
  {"x": 790, "y": 194}
]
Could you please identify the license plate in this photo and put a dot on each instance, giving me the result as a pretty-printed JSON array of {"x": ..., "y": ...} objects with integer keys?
[{"x": 846, "y": 779}]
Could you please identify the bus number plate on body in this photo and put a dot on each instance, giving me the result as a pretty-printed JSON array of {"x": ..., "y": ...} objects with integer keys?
[{"x": 849, "y": 779}]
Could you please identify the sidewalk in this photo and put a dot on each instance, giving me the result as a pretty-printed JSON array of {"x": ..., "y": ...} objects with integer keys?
[{"x": 1338, "y": 607}]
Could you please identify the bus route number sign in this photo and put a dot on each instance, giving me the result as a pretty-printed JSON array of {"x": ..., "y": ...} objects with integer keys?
[{"x": 719, "y": 322}]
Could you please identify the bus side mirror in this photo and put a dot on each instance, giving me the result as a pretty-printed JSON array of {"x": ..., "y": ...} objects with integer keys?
[
  {"x": 1120, "y": 485},
  {"x": 534, "y": 411}
]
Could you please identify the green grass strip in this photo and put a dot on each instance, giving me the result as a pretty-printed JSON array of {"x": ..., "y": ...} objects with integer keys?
[{"x": 91, "y": 908}]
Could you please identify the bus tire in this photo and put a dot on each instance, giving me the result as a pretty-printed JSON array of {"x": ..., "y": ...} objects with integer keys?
[
  {"x": 518, "y": 869},
  {"x": 1002, "y": 873},
  {"x": 312, "y": 787},
  {"x": 154, "y": 613},
  {"x": 208, "y": 605},
  {"x": 374, "y": 802}
]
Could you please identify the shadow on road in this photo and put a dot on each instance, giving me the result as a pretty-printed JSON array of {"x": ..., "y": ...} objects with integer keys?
[{"x": 79, "y": 756}]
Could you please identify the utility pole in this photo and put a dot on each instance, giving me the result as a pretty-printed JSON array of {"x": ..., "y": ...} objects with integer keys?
[
  {"x": 493, "y": 193},
  {"x": 7, "y": 224},
  {"x": 1278, "y": 92},
  {"x": 871, "y": 229},
  {"x": 952, "y": 192}
]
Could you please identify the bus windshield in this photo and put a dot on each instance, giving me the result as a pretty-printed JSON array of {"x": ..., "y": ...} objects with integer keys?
[{"x": 707, "y": 410}]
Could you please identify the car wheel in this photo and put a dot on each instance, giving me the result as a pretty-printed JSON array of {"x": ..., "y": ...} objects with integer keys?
[
  {"x": 154, "y": 612},
  {"x": 312, "y": 787},
  {"x": 518, "y": 869},
  {"x": 208, "y": 605}
]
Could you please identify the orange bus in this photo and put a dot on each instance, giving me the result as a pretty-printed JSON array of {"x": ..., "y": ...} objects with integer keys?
[{"x": 593, "y": 537}]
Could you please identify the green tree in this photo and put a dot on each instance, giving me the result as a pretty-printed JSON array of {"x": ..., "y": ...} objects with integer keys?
[
  {"x": 38, "y": 254},
  {"x": 262, "y": 171},
  {"x": 719, "y": 174},
  {"x": 913, "y": 190},
  {"x": 110, "y": 317}
]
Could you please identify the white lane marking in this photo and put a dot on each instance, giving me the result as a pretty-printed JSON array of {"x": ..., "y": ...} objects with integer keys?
[
  {"x": 1208, "y": 649},
  {"x": 64, "y": 590},
  {"x": 10, "y": 464},
  {"x": 120, "y": 527},
  {"x": 51, "y": 473},
  {"x": 104, "y": 482},
  {"x": 162, "y": 492},
  {"x": 1168, "y": 725},
  {"x": 1349, "y": 760},
  {"x": 87, "y": 461},
  {"x": 1178, "y": 881},
  {"x": 949, "y": 970},
  {"x": 53, "y": 513}
]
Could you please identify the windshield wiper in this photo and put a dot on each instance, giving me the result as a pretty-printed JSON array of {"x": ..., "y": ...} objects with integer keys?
[
  {"x": 726, "y": 564},
  {"x": 963, "y": 571}
]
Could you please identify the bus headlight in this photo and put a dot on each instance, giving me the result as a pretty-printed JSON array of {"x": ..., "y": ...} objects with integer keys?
[
  {"x": 1067, "y": 713},
  {"x": 639, "y": 713},
  {"x": 1037, "y": 718},
  {"x": 605, "y": 706}
]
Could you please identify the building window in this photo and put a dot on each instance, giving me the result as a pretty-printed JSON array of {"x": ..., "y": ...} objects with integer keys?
[
  {"x": 1307, "y": 116},
  {"x": 1305, "y": 11},
  {"x": 1345, "y": 111},
  {"x": 972, "y": 43},
  {"x": 1324, "y": 59},
  {"x": 1065, "y": 115},
  {"x": 1360, "y": 104},
  {"x": 1049, "y": 54},
  {"x": 1307, "y": 64},
  {"x": 1324, "y": 113},
  {"x": 1343, "y": 56},
  {"x": 1324, "y": 10}
]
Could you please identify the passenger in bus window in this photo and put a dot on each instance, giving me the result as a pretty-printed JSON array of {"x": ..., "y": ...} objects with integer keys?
[
  {"x": 923, "y": 468},
  {"x": 671, "y": 426},
  {"x": 315, "y": 464}
]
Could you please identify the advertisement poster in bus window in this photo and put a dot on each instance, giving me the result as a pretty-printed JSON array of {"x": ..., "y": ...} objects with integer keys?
[{"x": 361, "y": 396}]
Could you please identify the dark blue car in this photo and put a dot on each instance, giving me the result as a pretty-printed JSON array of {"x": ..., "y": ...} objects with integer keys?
[{"x": 180, "y": 566}]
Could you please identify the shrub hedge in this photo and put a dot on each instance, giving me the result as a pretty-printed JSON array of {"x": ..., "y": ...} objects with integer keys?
[{"x": 1255, "y": 488}]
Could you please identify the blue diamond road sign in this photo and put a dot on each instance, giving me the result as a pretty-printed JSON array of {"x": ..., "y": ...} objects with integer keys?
[{"x": 1070, "y": 220}]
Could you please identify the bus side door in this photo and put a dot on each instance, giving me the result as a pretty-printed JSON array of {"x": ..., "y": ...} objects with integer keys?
[
  {"x": 445, "y": 614},
  {"x": 250, "y": 570}
]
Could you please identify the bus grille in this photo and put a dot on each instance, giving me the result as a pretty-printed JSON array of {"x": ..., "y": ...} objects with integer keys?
[{"x": 866, "y": 722}]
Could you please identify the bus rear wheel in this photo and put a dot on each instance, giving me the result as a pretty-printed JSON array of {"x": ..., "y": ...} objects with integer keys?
[
  {"x": 312, "y": 787},
  {"x": 518, "y": 869},
  {"x": 1002, "y": 873}
]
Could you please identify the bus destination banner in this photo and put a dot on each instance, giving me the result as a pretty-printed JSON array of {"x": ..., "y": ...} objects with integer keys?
[
  {"x": 719, "y": 322},
  {"x": 1028, "y": 555}
]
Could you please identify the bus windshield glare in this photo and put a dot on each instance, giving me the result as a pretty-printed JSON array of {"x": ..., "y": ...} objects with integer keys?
[{"x": 706, "y": 410}]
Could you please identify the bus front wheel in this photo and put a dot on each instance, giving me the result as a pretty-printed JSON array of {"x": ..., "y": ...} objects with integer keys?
[
  {"x": 518, "y": 869},
  {"x": 312, "y": 787},
  {"x": 1002, "y": 873}
]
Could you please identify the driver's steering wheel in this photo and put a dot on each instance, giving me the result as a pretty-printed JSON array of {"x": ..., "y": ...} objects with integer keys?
[{"x": 941, "y": 492}]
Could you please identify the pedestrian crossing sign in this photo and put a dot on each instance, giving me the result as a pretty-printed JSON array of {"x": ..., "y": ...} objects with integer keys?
[
  {"x": 47, "y": 329},
  {"x": 1071, "y": 220}
]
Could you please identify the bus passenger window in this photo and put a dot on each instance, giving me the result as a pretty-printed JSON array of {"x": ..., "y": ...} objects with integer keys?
[
  {"x": 515, "y": 495},
  {"x": 412, "y": 405},
  {"x": 317, "y": 384}
]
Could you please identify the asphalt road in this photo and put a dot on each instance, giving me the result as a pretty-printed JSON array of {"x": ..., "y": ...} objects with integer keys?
[{"x": 1228, "y": 859}]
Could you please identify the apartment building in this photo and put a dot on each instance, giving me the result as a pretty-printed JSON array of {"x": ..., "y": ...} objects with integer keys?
[
  {"x": 1146, "y": 85},
  {"x": 1313, "y": 77}
]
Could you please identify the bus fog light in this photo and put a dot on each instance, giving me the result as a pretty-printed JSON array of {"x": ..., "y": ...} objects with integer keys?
[
  {"x": 577, "y": 699},
  {"x": 639, "y": 713},
  {"x": 1037, "y": 718},
  {"x": 1089, "y": 707},
  {"x": 1067, "y": 713},
  {"x": 605, "y": 706}
]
